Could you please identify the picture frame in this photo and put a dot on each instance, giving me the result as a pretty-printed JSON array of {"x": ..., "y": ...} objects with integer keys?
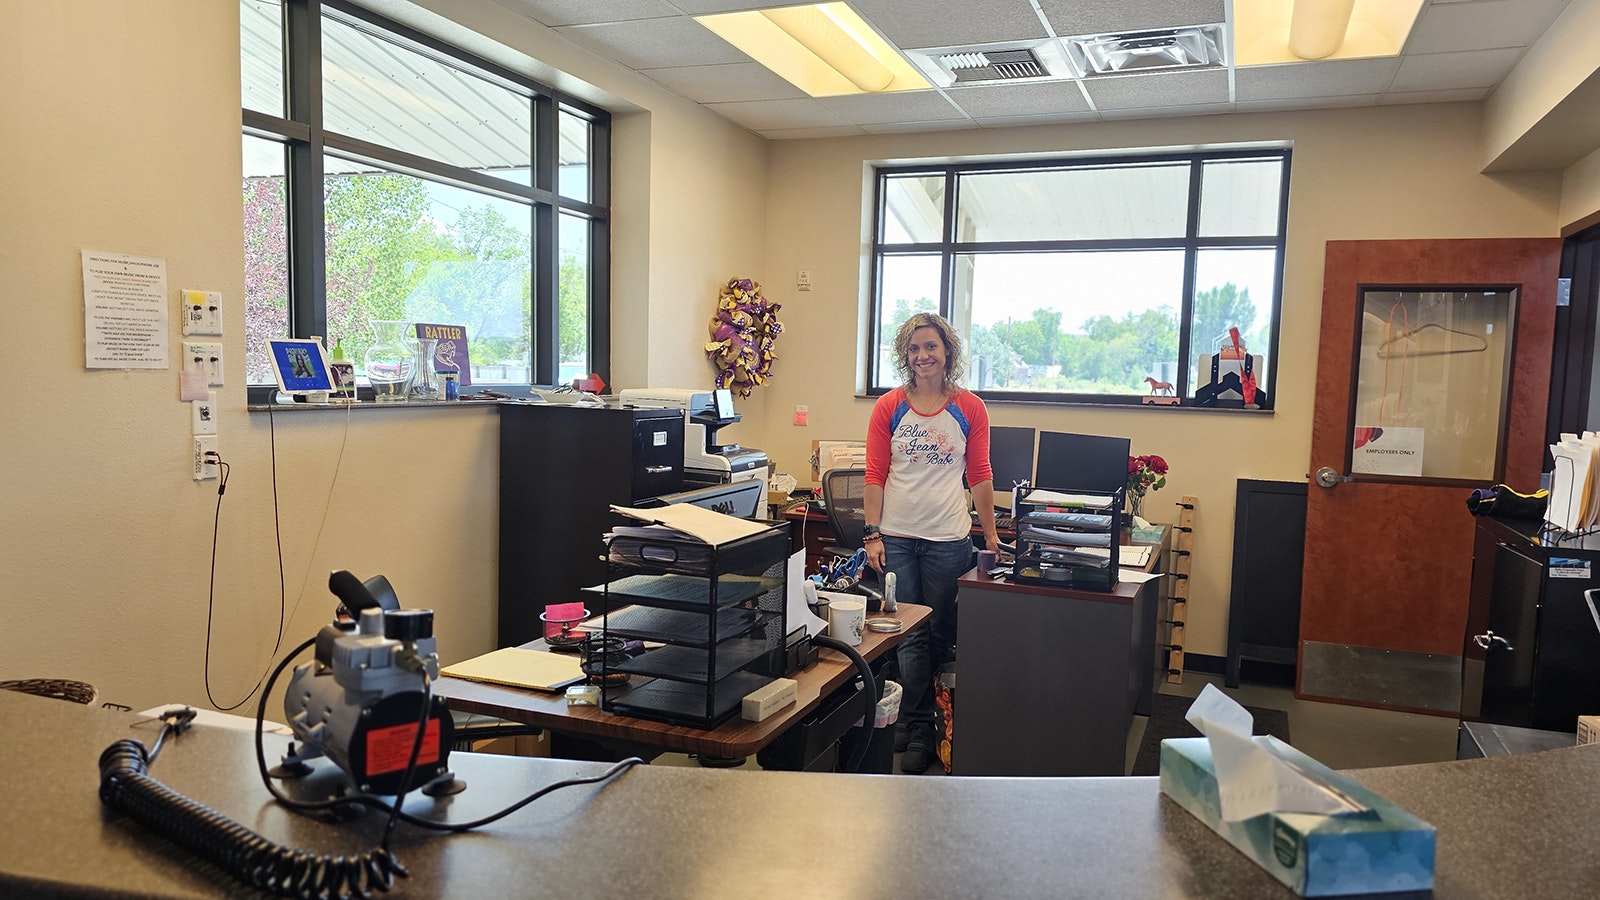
[{"x": 301, "y": 366}]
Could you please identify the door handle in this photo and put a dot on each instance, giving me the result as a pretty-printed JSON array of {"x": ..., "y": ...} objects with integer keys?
[
  {"x": 1487, "y": 641},
  {"x": 657, "y": 470},
  {"x": 1328, "y": 476}
]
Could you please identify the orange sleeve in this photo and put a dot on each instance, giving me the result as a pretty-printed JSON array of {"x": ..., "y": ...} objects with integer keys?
[{"x": 878, "y": 437}]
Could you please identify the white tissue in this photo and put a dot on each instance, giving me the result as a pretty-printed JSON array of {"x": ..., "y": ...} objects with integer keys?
[{"x": 1251, "y": 780}]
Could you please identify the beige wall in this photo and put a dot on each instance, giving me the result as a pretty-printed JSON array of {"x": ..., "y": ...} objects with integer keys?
[
  {"x": 1401, "y": 172},
  {"x": 1580, "y": 190},
  {"x": 128, "y": 116}
]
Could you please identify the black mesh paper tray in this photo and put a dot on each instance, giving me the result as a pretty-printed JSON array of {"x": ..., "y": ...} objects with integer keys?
[
  {"x": 685, "y": 704},
  {"x": 670, "y": 626},
  {"x": 686, "y": 592},
  {"x": 689, "y": 664}
]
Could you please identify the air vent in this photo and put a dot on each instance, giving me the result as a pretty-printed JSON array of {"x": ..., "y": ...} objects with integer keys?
[
  {"x": 1199, "y": 46},
  {"x": 988, "y": 63}
]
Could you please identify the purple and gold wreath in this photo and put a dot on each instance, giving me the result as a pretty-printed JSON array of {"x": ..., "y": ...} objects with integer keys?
[{"x": 744, "y": 333}]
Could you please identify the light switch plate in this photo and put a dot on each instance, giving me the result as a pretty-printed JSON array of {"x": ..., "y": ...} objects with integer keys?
[
  {"x": 202, "y": 312},
  {"x": 205, "y": 358}
]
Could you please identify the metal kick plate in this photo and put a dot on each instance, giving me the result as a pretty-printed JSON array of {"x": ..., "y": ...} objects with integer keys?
[{"x": 1368, "y": 675}]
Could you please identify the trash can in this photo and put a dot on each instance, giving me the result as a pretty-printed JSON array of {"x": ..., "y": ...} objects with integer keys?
[{"x": 879, "y": 758}]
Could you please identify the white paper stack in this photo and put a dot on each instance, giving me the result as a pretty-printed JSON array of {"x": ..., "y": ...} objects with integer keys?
[{"x": 1574, "y": 496}]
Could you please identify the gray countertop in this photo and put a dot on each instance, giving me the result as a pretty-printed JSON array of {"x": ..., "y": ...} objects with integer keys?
[{"x": 1511, "y": 826}]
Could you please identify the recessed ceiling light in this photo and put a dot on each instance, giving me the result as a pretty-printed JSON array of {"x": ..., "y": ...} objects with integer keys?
[
  {"x": 1268, "y": 32},
  {"x": 825, "y": 49}
]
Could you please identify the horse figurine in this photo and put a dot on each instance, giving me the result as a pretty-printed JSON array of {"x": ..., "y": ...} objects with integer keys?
[{"x": 1158, "y": 387}]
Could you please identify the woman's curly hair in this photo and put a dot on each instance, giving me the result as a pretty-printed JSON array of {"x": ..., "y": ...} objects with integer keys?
[{"x": 955, "y": 364}]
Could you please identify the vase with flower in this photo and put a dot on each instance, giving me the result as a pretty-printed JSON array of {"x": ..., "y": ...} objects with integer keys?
[{"x": 1145, "y": 474}]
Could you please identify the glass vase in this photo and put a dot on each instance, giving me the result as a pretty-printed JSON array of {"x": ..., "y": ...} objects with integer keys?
[
  {"x": 425, "y": 384},
  {"x": 1134, "y": 507},
  {"x": 389, "y": 362}
]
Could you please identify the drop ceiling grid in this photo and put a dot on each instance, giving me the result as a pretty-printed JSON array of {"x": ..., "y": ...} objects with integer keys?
[
  {"x": 1482, "y": 26},
  {"x": 655, "y": 43},
  {"x": 1314, "y": 79},
  {"x": 912, "y": 24},
  {"x": 582, "y": 12},
  {"x": 1078, "y": 17},
  {"x": 725, "y": 83},
  {"x": 1157, "y": 90}
]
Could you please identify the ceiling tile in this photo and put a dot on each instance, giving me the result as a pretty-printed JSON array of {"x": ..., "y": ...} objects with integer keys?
[
  {"x": 1447, "y": 71},
  {"x": 1395, "y": 98},
  {"x": 909, "y": 24},
  {"x": 801, "y": 134},
  {"x": 1481, "y": 26},
  {"x": 655, "y": 43},
  {"x": 1033, "y": 99},
  {"x": 1306, "y": 103},
  {"x": 1340, "y": 77},
  {"x": 578, "y": 12},
  {"x": 767, "y": 115},
  {"x": 706, "y": 7},
  {"x": 725, "y": 83},
  {"x": 1073, "y": 17},
  {"x": 1166, "y": 89},
  {"x": 881, "y": 109},
  {"x": 1022, "y": 121},
  {"x": 1193, "y": 109},
  {"x": 902, "y": 127}
]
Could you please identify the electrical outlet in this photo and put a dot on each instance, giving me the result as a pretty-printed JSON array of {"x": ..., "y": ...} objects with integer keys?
[
  {"x": 202, "y": 312},
  {"x": 206, "y": 467},
  {"x": 205, "y": 358},
  {"x": 204, "y": 415}
]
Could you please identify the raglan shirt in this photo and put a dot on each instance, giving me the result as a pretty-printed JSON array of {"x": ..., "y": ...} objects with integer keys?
[{"x": 919, "y": 461}]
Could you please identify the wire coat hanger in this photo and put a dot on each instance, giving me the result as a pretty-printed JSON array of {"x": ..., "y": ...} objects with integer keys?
[{"x": 1384, "y": 351}]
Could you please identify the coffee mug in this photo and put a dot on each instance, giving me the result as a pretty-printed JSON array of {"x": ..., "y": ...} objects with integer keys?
[
  {"x": 987, "y": 560},
  {"x": 846, "y": 618}
]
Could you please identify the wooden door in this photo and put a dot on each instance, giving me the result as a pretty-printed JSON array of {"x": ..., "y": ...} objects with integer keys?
[{"x": 1388, "y": 561}]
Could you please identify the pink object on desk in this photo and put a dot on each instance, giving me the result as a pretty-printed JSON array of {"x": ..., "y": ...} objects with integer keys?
[{"x": 559, "y": 619}]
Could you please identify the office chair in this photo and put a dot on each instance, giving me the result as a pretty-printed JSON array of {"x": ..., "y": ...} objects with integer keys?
[{"x": 844, "y": 495}]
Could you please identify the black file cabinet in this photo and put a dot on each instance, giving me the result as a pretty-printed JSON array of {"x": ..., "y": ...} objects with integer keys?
[
  {"x": 1531, "y": 657},
  {"x": 561, "y": 470}
]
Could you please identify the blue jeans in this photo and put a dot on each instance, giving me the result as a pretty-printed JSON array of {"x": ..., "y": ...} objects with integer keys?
[{"x": 925, "y": 573}]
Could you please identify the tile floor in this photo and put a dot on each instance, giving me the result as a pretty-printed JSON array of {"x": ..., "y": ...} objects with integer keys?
[{"x": 1343, "y": 737}]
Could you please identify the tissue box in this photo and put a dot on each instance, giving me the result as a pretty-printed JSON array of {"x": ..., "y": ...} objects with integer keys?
[{"x": 1382, "y": 850}]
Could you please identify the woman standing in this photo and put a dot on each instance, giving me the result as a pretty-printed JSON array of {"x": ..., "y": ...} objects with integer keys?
[{"x": 922, "y": 438}]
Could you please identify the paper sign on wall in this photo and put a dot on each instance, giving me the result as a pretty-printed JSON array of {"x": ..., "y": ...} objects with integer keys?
[{"x": 1387, "y": 451}]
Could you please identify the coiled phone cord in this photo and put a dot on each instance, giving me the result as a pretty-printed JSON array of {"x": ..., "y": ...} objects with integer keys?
[
  {"x": 125, "y": 785},
  {"x": 871, "y": 691}
]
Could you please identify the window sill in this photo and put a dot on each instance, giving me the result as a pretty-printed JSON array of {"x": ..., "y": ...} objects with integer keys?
[{"x": 366, "y": 405}]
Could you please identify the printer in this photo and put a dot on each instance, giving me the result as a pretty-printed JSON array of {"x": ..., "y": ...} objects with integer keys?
[{"x": 704, "y": 460}]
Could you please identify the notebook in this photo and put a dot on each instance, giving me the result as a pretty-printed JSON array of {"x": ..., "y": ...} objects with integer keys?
[{"x": 517, "y": 667}]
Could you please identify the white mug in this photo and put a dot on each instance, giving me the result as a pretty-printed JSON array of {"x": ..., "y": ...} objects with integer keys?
[{"x": 846, "y": 618}]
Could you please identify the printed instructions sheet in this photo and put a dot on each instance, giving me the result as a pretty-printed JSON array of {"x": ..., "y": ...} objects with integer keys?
[{"x": 124, "y": 311}]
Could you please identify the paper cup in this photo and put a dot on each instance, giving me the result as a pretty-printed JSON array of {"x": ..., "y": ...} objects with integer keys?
[{"x": 846, "y": 618}]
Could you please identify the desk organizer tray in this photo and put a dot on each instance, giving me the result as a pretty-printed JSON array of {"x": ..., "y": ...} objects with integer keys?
[
  {"x": 642, "y": 623},
  {"x": 1064, "y": 537},
  {"x": 719, "y": 612},
  {"x": 682, "y": 703},
  {"x": 1380, "y": 850}
]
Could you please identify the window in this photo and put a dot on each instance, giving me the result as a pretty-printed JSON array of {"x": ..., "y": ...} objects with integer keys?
[
  {"x": 1075, "y": 280},
  {"x": 390, "y": 176}
]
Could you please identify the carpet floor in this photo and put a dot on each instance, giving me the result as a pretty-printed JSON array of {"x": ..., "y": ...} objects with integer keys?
[{"x": 1167, "y": 721}]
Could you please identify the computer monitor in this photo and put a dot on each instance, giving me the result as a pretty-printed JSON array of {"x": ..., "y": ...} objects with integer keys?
[
  {"x": 1010, "y": 455},
  {"x": 732, "y": 498},
  {"x": 1082, "y": 462}
]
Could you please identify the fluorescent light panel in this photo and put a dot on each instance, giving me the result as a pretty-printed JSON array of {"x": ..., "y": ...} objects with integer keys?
[
  {"x": 1261, "y": 29},
  {"x": 825, "y": 49}
]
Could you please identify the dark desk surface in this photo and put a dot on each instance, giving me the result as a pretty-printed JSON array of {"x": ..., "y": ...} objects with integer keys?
[
  {"x": 1510, "y": 826},
  {"x": 732, "y": 739}
]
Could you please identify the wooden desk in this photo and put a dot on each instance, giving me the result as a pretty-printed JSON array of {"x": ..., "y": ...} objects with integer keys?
[
  {"x": 809, "y": 528},
  {"x": 732, "y": 739},
  {"x": 1049, "y": 679}
]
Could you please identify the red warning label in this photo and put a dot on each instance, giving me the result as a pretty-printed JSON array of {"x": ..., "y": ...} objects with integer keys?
[{"x": 389, "y": 749}]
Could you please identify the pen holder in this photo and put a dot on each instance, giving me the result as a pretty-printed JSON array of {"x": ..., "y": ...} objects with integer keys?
[
  {"x": 560, "y": 633},
  {"x": 602, "y": 654}
]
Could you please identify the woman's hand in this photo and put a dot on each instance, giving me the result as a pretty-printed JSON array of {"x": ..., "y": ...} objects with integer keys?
[
  {"x": 991, "y": 541},
  {"x": 875, "y": 554}
]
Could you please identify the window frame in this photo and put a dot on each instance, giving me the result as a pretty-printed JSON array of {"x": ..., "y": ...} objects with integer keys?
[
  {"x": 306, "y": 140},
  {"x": 1191, "y": 243}
]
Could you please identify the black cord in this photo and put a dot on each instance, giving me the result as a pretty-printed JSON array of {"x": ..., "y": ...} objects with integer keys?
[
  {"x": 872, "y": 691},
  {"x": 211, "y": 593}
]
